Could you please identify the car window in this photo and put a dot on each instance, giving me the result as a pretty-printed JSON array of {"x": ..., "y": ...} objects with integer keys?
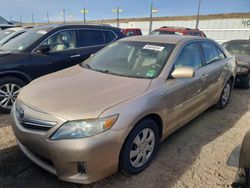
[
  {"x": 189, "y": 56},
  {"x": 109, "y": 36},
  {"x": 61, "y": 41},
  {"x": 210, "y": 52},
  {"x": 221, "y": 54},
  {"x": 238, "y": 48},
  {"x": 88, "y": 37}
]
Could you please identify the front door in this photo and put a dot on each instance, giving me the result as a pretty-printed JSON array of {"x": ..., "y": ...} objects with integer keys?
[
  {"x": 63, "y": 53},
  {"x": 185, "y": 96}
]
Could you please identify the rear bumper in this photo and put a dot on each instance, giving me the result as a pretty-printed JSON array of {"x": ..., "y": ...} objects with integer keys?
[{"x": 84, "y": 160}]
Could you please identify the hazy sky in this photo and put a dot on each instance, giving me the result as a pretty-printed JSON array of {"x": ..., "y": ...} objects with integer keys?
[{"x": 102, "y": 9}]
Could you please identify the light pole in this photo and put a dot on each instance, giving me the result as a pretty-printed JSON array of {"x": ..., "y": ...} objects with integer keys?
[
  {"x": 198, "y": 15},
  {"x": 117, "y": 11},
  {"x": 84, "y": 11},
  {"x": 152, "y": 11}
]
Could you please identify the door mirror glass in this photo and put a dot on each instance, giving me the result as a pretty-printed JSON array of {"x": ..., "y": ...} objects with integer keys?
[
  {"x": 44, "y": 48},
  {"x": 183, "y": 72}
]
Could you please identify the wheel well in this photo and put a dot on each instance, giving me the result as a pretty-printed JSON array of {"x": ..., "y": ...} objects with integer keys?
[
  {"x": 16, "y": 75},
  {"x": 232, "y": 79},
  {"x": 158, "y": 121}
]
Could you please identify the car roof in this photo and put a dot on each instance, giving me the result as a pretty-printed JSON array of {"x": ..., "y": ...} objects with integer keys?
[
  {"x": 54, "y": 26},
  {"x": 180, "y": 29},
  {"x": 172, "y": 39},
  {"x": 237, "y": 41}
]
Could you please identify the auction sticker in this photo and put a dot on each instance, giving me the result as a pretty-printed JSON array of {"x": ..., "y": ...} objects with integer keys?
[
  {"x": 153, "y": 47},
  {"x": 41, "y": 32}
]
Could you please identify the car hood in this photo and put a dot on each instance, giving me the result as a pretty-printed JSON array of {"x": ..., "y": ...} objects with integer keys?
[
  {"x": 243, "y": 59},
  {"x": 4, "y": 53},
  {"x": 79, "y": 93}
]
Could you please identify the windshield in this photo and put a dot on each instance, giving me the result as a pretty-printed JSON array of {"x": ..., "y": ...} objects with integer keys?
[
  {"x": 23, "y": 41},
  {"x": 131, "y": 59},
  {"x": 238, "y": 48},
  {"x": 5, "y": 33}
]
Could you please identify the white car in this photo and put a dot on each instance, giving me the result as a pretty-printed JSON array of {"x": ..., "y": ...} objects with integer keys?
[{"x": 8, "y": 34}]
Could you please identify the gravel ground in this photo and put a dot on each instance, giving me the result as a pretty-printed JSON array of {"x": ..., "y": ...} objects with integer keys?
[{"x": 197, "y": 155}]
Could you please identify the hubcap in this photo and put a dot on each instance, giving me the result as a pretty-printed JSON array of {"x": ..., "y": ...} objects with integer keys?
[
  {"x": 142, "y": 147},
  {"x": 226, "y": 94},
  {"x": 8, "y": 94}
]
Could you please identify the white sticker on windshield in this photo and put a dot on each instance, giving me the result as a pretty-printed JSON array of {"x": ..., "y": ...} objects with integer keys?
[
  {"x": 153, "y": 47},
  {"x": 41, "y": 32}
]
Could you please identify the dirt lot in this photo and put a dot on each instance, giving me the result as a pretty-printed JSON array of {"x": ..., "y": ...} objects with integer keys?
[{"x": 195, "y": 156}]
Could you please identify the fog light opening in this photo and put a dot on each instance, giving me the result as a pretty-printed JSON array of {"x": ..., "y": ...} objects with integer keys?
[{"x": 81, "y": 167}]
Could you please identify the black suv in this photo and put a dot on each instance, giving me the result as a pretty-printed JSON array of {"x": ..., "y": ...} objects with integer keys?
[{"x": 46, "y": 49}]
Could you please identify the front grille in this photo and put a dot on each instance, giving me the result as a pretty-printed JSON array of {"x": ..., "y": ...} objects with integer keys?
[{"x": 36, "y": 124}]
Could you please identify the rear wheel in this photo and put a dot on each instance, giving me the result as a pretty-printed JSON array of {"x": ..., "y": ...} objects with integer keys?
[
  {"x": 225, "y": 95},
  {"x": 9, "y": 89},
  {"x": 140, "y": 147}
]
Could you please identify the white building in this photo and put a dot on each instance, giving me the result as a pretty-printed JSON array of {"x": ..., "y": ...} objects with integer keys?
[{"x": 220, "y": 27}]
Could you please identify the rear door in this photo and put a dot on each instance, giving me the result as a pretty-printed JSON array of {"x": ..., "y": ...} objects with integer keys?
[
  {"x": 89, "y": 42},
  {"x": 215, "y": 65},
  {"x": 185, "y": 97}
]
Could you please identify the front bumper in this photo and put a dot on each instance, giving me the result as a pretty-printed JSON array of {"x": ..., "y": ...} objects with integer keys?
[{"x": 83, "y": 160}]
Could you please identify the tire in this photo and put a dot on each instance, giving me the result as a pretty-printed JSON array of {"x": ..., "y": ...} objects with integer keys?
[
  {"x": 9, "y": 89},
  {"x": 128, "y": 164},
  {"x": 225, "y": 95},
  {"x": 245, "y": 82}
]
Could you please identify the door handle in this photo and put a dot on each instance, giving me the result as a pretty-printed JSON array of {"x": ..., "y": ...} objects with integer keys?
[
  {"x": 204, "y": 77},
  {"x": 76, "y": 55}
]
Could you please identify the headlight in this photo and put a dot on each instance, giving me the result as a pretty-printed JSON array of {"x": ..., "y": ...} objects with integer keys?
[
  {"x": 241, "y": 69},
  {"x": 84, "y": 128}
]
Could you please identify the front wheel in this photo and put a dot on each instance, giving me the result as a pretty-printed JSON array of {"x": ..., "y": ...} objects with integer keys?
[
  {"x": 9, "y": 89},
  {"x": 140, "y": 147},
  {"x": 225, "y": 95}
]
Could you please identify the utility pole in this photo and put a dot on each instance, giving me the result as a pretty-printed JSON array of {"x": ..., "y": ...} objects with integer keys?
[
  {"x": 117, "y": 11},
  {"x": 198, "y": 15},
  {"x": 20, "y": 17},
  {"x": 48, "y": 17},
  {"x": 63, "y": 15},
  {"x": 33, "y": 22},
  {"x": 10, "y": 18},
  {"x": 152, "y": 11}
]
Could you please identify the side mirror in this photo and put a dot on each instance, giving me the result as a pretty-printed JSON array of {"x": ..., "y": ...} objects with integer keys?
[
  {"x": 44, "y": 48},
  {"x": 183, "y": 72}
]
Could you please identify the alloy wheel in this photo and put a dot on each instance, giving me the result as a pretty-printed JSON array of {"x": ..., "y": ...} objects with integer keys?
[
  {"x": 142, "y": 147},
  {"x": 226, "y": 94},
  {"x": 8, "y": 94}
]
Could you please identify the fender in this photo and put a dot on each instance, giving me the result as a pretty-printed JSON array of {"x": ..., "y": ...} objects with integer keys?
[{"x": 14, "y": 72}]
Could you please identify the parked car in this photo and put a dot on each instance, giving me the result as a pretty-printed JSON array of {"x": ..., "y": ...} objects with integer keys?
[
  {"x": 11, "y": 33},
  {"x": 131, "y": 32},
  {"x": 243, "y": 174},
  {"x": 241, "y": 50},
  {"x": 46, "y": 49},
  {"x": 4, "y": 24},
  {"x": 109, "y": 113},
  {"x": 178, "y": 31}
]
